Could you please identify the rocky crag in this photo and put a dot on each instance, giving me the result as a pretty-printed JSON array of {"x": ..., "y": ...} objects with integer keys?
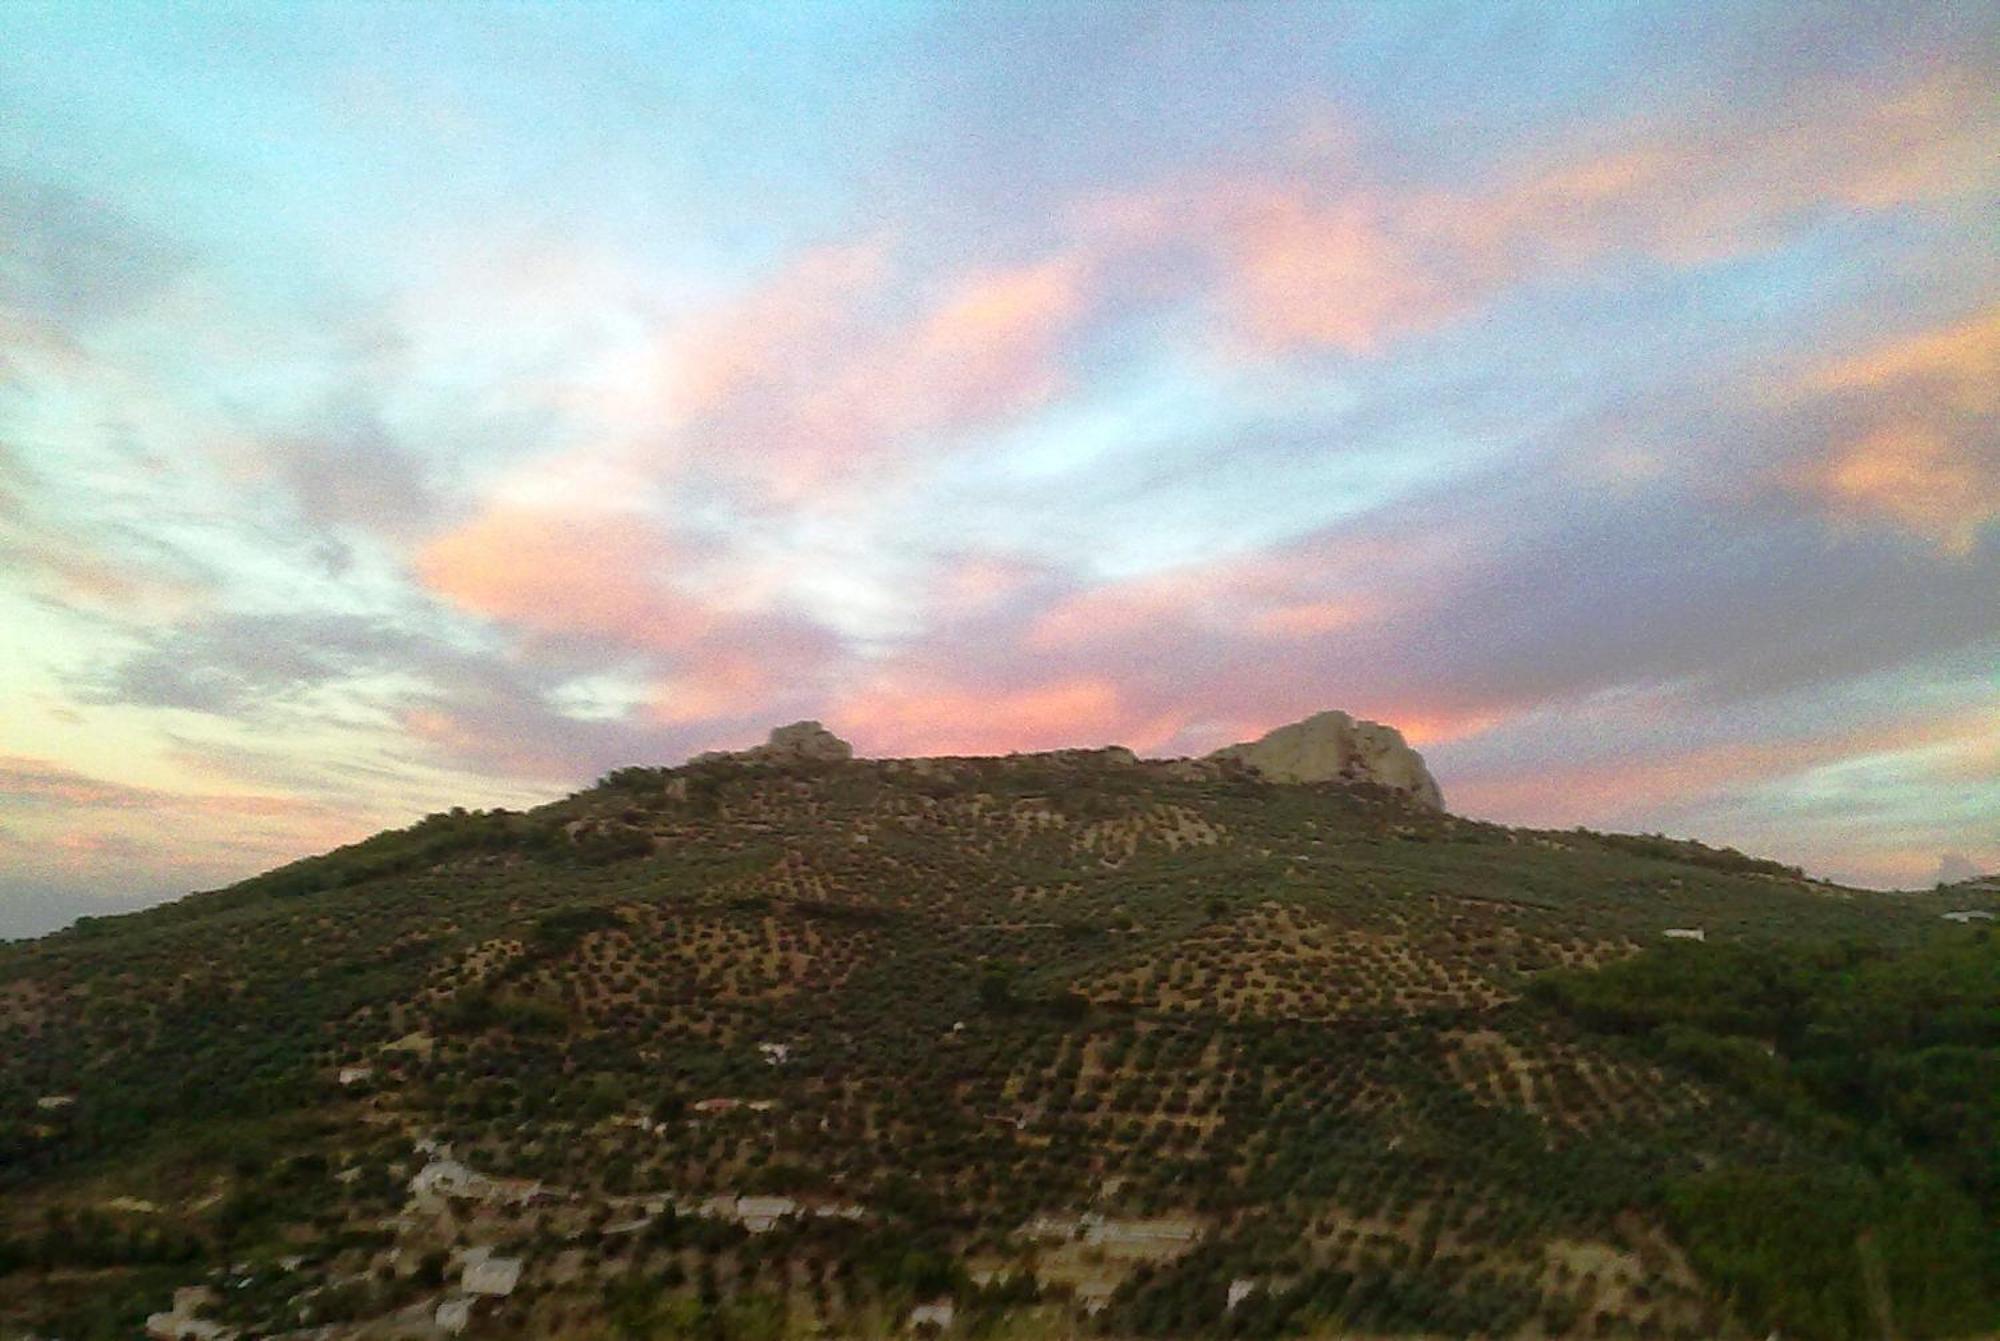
[
  {"x": 801, "y": 742},
  {"x": 1333, "y": 747}
]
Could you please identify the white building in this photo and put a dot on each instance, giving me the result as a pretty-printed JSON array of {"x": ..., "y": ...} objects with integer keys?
[{"x": 761, "y": 1214}]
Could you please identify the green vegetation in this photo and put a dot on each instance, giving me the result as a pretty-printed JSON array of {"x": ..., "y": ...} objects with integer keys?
[
  {"x": 431, "y": 840},
  {"x": 1886, "y": 1063},
  {"x": 1800, "y": 1249},
  {"x": 1073, "y": 1045}
]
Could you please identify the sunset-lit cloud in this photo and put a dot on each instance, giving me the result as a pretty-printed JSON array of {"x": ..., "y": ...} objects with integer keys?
[
  {"x": 1917, "y": 434},
  {"x": 1710, "y": 185},
  {"x": 1614, "y": 412},
  {"x": 1336, "y": 275},
  {"x": 1606, "y": 791},
  {"x": 760, "y": 340},
  {"x": 1316, "y": 587},
  {"x": 948, "y": 719},
  {"x": 836, "y": 391},
  {"x": 1917, "y": 478},
  {"x": 63, "y": 832},
  {"x": 551, "y": 571},
  {"x": 1328, "y": 254},
  {"x": 1959, "y": 367}
]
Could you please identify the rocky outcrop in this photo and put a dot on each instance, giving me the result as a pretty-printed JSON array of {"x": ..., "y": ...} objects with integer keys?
[
  {"x": 801, "y": 742},
  {"x": 804, "y": 740},
  {"x": 1333, "y": 747}
]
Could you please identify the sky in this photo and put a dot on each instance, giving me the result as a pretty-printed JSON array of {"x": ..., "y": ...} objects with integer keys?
[{"x": 406, "y": 406}]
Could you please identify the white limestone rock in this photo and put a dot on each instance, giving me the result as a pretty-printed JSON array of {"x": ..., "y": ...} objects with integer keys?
[
  {"x": 801, "y": 742},
  {"x": 1333, "y": 747},
  {"x": 490, "y": 1275}
]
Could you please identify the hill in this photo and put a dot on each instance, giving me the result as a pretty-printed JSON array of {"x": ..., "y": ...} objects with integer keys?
[{"x": 789, "y": 1043}]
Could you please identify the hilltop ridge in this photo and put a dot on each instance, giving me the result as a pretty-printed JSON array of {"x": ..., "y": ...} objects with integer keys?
[{"x": 1328, "y": 746}]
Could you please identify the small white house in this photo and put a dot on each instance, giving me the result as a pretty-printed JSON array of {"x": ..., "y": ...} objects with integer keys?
[
  {"x": 453, "y": 1316},
  {"x": 1685, "y": 934}
]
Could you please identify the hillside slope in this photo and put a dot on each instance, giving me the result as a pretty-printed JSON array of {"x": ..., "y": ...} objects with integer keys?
[{"x": 1042, "y": 1045}]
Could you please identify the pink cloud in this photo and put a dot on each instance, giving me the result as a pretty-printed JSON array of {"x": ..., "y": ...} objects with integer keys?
[
  {"x": 840, "y": 360},
  {"x": 837, "y": 360},
  {"x": 909, "y": 716},
  {"x": 701, "y": 641},
  {"x": 1308, "y": 619},
  {"x": 1600, "y": 791},
  {"x": 30, "y": 782},
  {"x": 991, "y": 344},
  {"x": 1303, "y": 590},
  {"x": 1708, "y": 189},
  {"x": 750, "y": 668},
  {"x": 1957, "y": 367},
  {"x": 1916, "y": 478},
  {"x": 557, "y": 571},
  {"x": 1328, "y": 257},
  {"x": 985, "y": 346},
  {"x": 766, "y": 336},
  {"x": 979, "y": 581},
  {"x": 1915, "y": 447},
  {"x": 1337, "y": 274}
]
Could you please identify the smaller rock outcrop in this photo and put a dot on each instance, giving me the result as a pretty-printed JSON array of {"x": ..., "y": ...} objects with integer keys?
[
  {"x": 1333, "y": 747},
  {"x": 805, "y": 740},
  {"x": 801, "y": 742}
]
